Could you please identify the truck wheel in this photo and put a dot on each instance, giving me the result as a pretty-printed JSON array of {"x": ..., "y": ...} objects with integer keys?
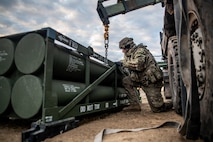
[
  {"x": 201, "y": 32},
  {"x": 201, "y": 42},
  {"x": 174, "y": 73}
]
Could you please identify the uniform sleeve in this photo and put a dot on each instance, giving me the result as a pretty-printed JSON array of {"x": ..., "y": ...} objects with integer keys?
[{"x": 137, "y": 61}]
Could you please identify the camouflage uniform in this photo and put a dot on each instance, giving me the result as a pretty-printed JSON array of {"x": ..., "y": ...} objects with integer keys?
[{"x": 143, "y": 72}]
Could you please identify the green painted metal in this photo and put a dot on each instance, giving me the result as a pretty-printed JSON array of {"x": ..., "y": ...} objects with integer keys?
[
  {"x": 54, "y": 82},
  {"x": 70, "y": 65},
  {"x": 85, "y": 92},
  {"x": 26, "y": 98},
  {"x": 67, "y": 64},
  {"x": 66, "y": 91},
  {"x": 83, "y": 109},
  {"x": 6, "y": 55},
  {"x": 121, "y": 7},
  {"x": 115, "y": 9},
  {"x": 29, "y": 53},
  {"x": 27, "y": 94},
  {"x": 5, "y": 93}
]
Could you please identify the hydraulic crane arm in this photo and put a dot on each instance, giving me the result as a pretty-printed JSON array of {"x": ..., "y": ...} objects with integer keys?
[{"x": 121, "y": 7}]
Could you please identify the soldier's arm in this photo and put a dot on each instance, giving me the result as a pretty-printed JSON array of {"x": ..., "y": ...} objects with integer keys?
[{"x": 137, "y": 62}]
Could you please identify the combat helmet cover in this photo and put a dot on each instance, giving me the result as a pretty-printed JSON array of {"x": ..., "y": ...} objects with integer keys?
[{"x": 126, "y": 43}]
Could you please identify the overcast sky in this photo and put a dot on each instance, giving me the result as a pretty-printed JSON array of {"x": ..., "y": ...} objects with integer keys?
[{"x": 78, "y": 19}]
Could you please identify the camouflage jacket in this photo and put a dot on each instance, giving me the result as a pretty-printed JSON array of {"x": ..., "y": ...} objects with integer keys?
[{"x": 142, "y": 65}]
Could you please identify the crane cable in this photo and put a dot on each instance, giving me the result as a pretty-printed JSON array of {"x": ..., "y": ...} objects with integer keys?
[{"x": 106, "y": 39}]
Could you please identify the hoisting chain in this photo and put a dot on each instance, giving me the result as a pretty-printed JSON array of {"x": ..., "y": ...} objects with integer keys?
[{"x": 106, "y": 39}]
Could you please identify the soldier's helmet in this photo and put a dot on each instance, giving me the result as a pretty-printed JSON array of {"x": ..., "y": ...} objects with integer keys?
[{"x": 126, "y": 43}]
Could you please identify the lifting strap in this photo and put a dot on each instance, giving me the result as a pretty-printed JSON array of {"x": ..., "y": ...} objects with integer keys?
[{"x": 168, "y": 124}]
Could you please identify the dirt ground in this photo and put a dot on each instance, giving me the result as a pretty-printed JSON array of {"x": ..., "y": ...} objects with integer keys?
[{"x": 10, "y": 131}]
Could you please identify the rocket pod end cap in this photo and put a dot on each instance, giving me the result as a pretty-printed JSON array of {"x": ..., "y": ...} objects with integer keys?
[{"x": 26, "y": 96}]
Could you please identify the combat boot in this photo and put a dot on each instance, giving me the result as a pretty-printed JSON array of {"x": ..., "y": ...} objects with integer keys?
[
  {"x": 133, "y": 107},
  {"x": 164, "y": 108}
]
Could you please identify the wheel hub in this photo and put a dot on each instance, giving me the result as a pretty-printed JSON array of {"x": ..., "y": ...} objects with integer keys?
[{"x": 198, "y": 55}]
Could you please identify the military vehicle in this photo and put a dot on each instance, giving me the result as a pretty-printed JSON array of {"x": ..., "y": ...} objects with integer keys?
[{"x": 186, "y": 44}]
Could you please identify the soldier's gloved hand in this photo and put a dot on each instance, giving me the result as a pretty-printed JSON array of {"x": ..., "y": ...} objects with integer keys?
[
  {"x": 126, "y": 71},
  {"x": 118, "y": 63}
]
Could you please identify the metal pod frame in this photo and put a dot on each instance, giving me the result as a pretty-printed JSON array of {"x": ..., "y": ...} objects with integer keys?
[{"x": 48, "y": 77}]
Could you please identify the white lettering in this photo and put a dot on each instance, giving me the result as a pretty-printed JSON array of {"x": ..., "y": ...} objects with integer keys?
[
  {"x": 70, "y": 88},
  {"x": 2, "y": 54},
  {"x": 90, "y": 107},
  {"x": 107, "y": 105},
  {"x": 97, "y": 106},
  {"x": 82, "y": 109},
  {"x": 74, "y": 64},
  {"x": 48, "y": 118}
]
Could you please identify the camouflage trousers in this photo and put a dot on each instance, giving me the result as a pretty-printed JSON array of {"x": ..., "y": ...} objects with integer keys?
[{"x": 152, "y": 91}]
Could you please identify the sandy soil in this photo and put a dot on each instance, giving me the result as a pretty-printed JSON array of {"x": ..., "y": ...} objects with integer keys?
[{"x": 10, "y": 131}]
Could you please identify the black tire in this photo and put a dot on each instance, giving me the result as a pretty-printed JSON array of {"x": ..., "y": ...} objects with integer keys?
[
  {"x": 174, "y": 74},
  {"x": 200, "y": 21},
  {"x": 199, "y": 38}
]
